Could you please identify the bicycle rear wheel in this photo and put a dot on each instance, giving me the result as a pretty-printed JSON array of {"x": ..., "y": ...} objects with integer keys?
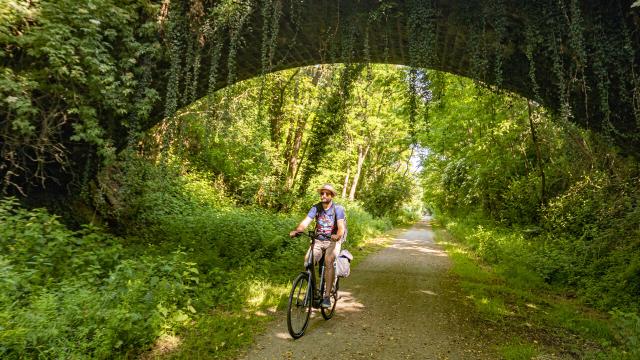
[
  {"x": 327, "y": 313},
  {"x": 299, "y": 308}
]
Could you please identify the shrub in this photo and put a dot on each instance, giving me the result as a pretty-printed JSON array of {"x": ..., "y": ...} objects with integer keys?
[{"x": 68, "y": 293}]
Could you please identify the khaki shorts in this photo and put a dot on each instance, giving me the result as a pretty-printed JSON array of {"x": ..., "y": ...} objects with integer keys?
[{"x": 327, "y": 246}]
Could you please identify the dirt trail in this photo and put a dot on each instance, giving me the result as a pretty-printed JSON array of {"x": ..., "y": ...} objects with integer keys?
[{"x": 399, "y": 303}]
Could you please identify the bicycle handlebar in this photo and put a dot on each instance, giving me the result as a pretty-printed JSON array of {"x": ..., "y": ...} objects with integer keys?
[{"x": 310, "y": 234}]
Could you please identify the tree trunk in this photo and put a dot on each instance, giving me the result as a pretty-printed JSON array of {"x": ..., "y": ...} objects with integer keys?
[
  {"x": 346, "y": 182},
  {"x": 294, "y": 142},
  {"x": 276, "y": 112},
  {"x": 362, "y": 153},
  {"x": 295, "y": 173},
  {"x": 293, "y": 162},
  {"x": 408, "y": 166}
]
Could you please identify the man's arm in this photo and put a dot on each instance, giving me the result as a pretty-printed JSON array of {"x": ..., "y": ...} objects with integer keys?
[
  {"x": 303, "y": 225},
  {"x": 338, "y": 235}
]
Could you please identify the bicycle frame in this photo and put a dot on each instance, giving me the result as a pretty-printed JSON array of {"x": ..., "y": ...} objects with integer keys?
[{"x": 315, "y": 295}]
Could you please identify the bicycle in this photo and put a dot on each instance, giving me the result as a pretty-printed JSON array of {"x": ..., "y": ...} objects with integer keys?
[{"x": 305, "y": 295}]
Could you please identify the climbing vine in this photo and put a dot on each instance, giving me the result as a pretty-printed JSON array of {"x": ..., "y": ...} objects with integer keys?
[
  {"x": 630, "y": 92},
  {"x": 497, "y": 14},
  {"x": 271, "y": 12},
  {"x": 329, "y": 122},
  {"x": 478, "y": 49},
  {"x": 175, "y": 39},
  {"x": 554, "y": 44},
  {"x": 421, "y": 33},
  {"x": 216, "y": 52},
  {"x": 533, "y": 41},
  {"x": 602, "y": 75}
]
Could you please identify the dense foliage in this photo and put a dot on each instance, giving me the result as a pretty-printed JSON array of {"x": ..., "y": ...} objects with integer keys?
[
  {"x": 569, "y": 196},
  {"x": 261, "y": 138},
  {"x": 188, "y": 259},
  {"x": 70, "y": 71},
  {"x": 193, "y": 204}
]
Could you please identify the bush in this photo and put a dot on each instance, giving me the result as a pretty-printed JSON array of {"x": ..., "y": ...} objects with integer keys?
[
  {"x": 387, "y": 196},
  {"x": 44, "y": 250},
  {"x": 67, "y": 294},
  {"x": 362, "y": 224},
  {"x": 521, "y": 201}
]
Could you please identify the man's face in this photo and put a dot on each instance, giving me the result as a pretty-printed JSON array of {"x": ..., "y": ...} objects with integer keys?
[{"x": 325, "y": 196}]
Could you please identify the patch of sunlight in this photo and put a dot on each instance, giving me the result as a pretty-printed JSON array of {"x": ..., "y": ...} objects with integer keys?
[
  {"x": 459, "y": 250},
  {"x": 347, "y": 303},
  {"x": 428, "y": 292},
  {"x": 284, "y": 336},
  {"x": 381, "y": 240},
  {"x": 164, "y": 345},
  {"x": 261, "y": 293},
  {"x": 420, "y": 249},
  {"x": 493, "y": 307},
  {"x": 533, "y": 306}
]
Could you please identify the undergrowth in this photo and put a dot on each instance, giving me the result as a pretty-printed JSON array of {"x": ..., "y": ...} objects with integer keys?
[
  {"x": 189, "y": 275},
  {"x": 504, "y": 273}
]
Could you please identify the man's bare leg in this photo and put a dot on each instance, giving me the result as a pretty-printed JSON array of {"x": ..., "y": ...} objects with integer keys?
[
  {"x": 329, "y": 273},
  {"x": 329, "y": 270}
]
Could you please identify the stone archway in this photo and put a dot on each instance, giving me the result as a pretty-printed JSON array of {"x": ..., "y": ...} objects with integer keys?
[{"x": 580, "y": 58}]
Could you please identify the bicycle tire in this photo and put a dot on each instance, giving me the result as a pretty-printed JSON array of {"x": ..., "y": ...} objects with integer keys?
[
  {"x": 299, "y": 307},
  {"x": 327, "y": 313}
]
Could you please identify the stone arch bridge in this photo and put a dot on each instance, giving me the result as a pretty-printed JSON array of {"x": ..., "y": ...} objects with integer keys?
[{"x": 578, "y": 58}]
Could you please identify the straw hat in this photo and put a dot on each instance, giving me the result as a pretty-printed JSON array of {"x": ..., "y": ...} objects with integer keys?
[{"x": 328, "y": 187}]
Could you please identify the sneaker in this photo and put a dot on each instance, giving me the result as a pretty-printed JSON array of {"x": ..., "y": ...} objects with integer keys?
[{"x": 326, "y": 303}]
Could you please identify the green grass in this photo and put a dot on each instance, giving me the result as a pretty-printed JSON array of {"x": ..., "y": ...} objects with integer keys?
[
  {"x": 221, "y": 334},
  {"x": 580, "y": 321},
  {"x": 518, "y": 351},
  {"x": 508, "y": 292}
]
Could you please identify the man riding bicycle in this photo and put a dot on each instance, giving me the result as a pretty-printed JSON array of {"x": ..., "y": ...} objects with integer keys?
[{"x": 330, "y": 232}]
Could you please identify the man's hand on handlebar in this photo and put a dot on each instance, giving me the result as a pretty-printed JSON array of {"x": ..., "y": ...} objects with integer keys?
[{"x": 295, "y": 233}]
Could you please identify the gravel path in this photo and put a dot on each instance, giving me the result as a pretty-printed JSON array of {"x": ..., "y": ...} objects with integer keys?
[{"x": 399, "y": 303}]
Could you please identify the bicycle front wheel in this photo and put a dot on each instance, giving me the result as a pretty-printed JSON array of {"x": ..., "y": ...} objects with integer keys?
[{"x": 299, "y": 308}]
